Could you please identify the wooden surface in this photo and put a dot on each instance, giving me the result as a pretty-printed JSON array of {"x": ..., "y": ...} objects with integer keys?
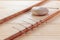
[
  {"x": 46, "y": 31},
  {"x": 7, "y": 8}
]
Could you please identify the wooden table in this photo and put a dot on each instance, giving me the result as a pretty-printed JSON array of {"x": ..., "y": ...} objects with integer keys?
[{"x": 47, "y": 31}]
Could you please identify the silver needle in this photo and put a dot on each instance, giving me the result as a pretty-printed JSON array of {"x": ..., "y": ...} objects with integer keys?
[{"x": 32, "y": 19}]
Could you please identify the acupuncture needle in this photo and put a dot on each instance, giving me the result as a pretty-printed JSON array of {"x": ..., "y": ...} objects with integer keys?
[
  {"x": 32, "y": 19},
  {"x": 52, "y": 8},
  {"x": 27, "y": 22},
  {"x": 21, "y": 24},
  {"x": 15, "y": 28},
  {"x": 36, "y": 20}
]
